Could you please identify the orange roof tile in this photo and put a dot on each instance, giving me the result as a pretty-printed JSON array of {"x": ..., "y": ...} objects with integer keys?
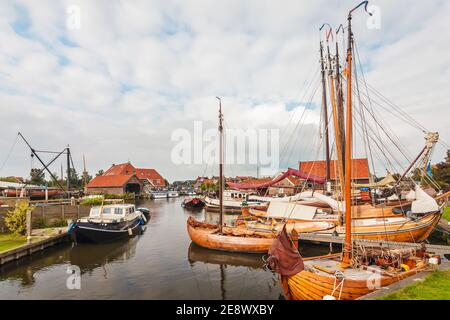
[
  {"x": 116, "y": 169},
  {"x": 110, "y": 181},
  {"x": 150, "y": 174}
]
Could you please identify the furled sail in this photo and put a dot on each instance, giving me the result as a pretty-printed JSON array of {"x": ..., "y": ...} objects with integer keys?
[
  {"x": 289, "y": 172},
  {"x": 423, "y": 203}
]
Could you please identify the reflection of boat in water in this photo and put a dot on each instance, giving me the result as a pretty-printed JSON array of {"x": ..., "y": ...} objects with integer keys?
[
  {"x": 24, "y": 269},
  {"x": 86, "y": 256},
  {"x": 91, "y": 256},
  {"x": 199, "y": 254}
]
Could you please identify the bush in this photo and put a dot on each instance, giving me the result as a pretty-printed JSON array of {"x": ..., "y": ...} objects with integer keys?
[
  {"x": 16, "y": 220},
  {"x": 92, "y": 202},
  {"x": 59, "y": 223},
  {"x": 125, "y": 196},
  {"x": 39, "y": 223}
]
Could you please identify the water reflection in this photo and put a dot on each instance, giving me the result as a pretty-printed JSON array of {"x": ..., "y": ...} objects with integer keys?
[
  {"x": 199, "y": 254},
  {"x": 91, "y": 256},
  {"x": 160, "y": 264}
]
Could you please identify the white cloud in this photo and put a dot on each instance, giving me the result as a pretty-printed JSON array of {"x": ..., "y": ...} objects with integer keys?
[{"x": 116, "y": 88}]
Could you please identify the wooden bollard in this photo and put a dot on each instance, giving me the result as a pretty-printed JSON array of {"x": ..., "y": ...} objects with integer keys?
[{"x": 29, "y": 231}]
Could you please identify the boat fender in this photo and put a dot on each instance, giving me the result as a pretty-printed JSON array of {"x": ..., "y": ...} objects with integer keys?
[
  {"x": 143, "y": 217},
  {"x": 328, "y": 297},
  {"x": 130, "y": 231},
  {"x": 434, "y": 261},
  {"x": 404, "y": 267},
  {"x": 71, "y": 226}
]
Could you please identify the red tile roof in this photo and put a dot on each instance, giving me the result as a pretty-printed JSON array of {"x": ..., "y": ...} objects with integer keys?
[
  {"x": 117, "y": 169},
  {"x": 119, "y": 174},
  {"x": 360, "y": 168},
  {"x": 152, "y": 175},
  {"x": 110, "y": 181},
  {"x": 257, "y": 181}
]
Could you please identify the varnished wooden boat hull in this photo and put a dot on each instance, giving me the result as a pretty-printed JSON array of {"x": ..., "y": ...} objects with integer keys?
[
  {"x": 307, "y": 285},
  {"x": 411, "y": 231},
  {"x": 208, "y": 238}
]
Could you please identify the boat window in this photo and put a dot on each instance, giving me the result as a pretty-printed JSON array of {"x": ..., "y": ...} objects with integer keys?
[
  {"x": 95, "y": 212},
  {"x": 106, "y": 211},
  {"x": 131, "y": 210},
  {"x": 117, "y": 210}
]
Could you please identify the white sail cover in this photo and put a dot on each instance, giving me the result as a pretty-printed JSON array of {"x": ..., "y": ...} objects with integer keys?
[
  {"x": 291, "y": 210},
  {"x": 423, "y": 203},
  {"x": 411, "y": 196}
]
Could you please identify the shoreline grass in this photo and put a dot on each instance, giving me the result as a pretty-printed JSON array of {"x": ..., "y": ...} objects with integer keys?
[
  {"x": 10, "y": 241},
  {"x": 436, "y": 286},
  {"x": 446, "y": 214}
]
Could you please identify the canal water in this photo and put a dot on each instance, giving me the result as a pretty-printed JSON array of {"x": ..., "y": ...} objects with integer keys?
[{"x": 162, "y": 263}]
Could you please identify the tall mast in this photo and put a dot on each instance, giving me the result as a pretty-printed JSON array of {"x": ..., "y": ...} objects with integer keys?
[
  {"x": 349, "y": 141},
  {"x": 220, "y": 165},
  {"x": 340, "y": 103},
  {"x": 325, "y": 113},
  {"x": 336, "y": 125},
  {"x": 68, "y": 171}
]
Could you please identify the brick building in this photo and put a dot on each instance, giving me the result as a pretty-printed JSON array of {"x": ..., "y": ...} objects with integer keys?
[{"x": 123, "y": 178}]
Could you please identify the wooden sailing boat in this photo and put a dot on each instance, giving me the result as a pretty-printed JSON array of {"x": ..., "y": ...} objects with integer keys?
[
  {"x": 388, "y": 221},
  {"x": 220, "y": 237},
  {"x": 359, "y": 270}
]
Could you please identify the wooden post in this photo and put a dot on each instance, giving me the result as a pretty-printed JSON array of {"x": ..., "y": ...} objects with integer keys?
[{"x": 28, "y": 219}]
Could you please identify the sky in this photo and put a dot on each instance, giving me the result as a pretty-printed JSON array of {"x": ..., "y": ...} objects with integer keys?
[{"x": 116, "y": 79}]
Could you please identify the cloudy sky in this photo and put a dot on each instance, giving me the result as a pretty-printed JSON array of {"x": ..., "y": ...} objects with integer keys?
[{"x": 117, "y": 82}]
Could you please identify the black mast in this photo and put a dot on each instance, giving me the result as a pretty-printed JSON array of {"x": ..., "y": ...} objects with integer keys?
[
  {"x": 340, "y": 99},
  {"x": 221, "y": 180},
  {"x": 325, "y": 113}
]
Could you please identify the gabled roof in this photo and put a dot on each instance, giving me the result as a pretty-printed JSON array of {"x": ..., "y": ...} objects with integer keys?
[
  {"x": 360, "y": 168},
  {"x": 151, "y": 174},
  {"x": 110, "y": 181},
  {"x": 117, "y": 169}
]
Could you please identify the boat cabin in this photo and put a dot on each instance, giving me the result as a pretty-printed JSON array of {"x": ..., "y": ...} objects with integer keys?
[
  {"x": 112, "y": 211},
  {"x": 235, "y": 195}
]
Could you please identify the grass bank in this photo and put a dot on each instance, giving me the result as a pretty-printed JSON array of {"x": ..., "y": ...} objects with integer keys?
[
  {"x": 436, "y": 286},
  {"x": 446, "y": 215},
  {"x": 10, "y": 241}
]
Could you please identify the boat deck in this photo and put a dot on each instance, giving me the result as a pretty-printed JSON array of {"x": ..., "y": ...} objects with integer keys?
[{"x": 328, "y": 266}]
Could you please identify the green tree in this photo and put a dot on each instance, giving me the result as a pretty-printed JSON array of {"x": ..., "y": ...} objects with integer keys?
[
  {"x": 441, "y": 171},
  {"x": 75, "y": 180},
  {"x": 86, "y": 177},
  {"x": 16, "y": 220},
  {"x": 99, "y": 173},
  {"x": 37, "y": 176}
]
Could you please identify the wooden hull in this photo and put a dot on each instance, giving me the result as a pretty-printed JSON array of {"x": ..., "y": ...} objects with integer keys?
[
  {"x": 210, "y": 239},
  {"x": 374, "y": 228},
  {"x": 307, "y": 285},
  {"x": 33, "y": 194},
  {"x": 412, "y": 231}
]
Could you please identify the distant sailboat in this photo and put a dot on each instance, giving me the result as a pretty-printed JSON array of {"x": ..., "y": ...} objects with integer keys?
[{"x": 225, "y": 238}]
